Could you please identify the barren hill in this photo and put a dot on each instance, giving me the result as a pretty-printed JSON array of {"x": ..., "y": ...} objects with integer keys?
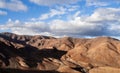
[{"x": 68, "y": 55}]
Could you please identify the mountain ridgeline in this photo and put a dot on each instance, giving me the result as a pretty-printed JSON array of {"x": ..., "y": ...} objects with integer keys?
[{"x": 45, "y": 54}]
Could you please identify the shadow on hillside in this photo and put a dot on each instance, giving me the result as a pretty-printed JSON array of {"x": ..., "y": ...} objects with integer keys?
[
  {"x": 30, "y": 54},
  {"x": 24, "y": 71},
  {"x": 15, "y": 40}
]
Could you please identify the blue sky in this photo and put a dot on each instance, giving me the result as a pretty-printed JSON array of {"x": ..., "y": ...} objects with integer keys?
[{"x": 76, "y": 18}]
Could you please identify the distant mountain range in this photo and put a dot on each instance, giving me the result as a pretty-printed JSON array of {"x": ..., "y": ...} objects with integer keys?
[{"x": 58, "y": 55}]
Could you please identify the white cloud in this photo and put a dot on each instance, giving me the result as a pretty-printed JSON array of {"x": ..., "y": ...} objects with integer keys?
[
  {"x": 44, "y": 16},
  {"x": 72, "y": 7},
  {"x": 53, "y": 12},
  {"x": 3, "y": 12},
  {"x": 14, "y": 5},
  {"x": 75, "y": 27},
  {"x": 105, "y": 14},
  {"x": 53, "y": 2},
  {"x": 101, "y": 2},
  {"x": 103, "y": 21},
  {"x": 57, "y": 11},
  {"x": 96, "y": 3},
  {"x": 27, "y": 28}
]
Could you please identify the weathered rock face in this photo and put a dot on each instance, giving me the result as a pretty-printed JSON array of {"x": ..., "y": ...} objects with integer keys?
[{"x": 70, "y": 55}]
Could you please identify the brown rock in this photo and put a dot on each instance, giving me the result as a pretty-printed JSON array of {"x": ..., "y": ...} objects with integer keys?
[
  {"x": 105, "y": 70},
  {"x": 67, "y": 69},
  {"x": 75, "y": 55}
]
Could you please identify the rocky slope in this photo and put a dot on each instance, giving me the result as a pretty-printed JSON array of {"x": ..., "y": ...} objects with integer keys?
[{"x": 68, "y": 55}]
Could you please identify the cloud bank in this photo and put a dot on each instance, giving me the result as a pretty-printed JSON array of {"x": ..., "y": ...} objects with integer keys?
[
  {"x": 53, "y": 2},
  {"x": 66, "y": 18},
  {"x": 14, "y": 5},
  {"x": 103, "y": 21}
]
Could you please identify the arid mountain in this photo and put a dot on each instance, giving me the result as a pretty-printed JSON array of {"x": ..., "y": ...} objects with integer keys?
[{"x": 53, "y": 55}]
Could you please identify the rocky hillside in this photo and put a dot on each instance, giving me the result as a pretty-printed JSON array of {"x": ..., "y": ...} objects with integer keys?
[{"x": 67, "y": 55}]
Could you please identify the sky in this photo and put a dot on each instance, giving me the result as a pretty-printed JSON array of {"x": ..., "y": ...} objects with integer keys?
[{"x": 74, "y": 18}]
